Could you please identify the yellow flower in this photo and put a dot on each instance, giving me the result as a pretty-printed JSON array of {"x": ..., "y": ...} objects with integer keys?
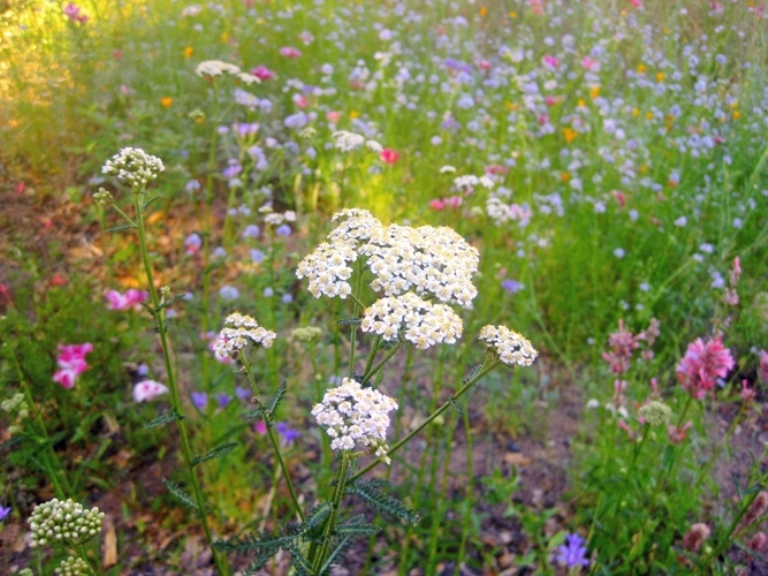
[
  {"x": 641, "y": 69},
  {"x": 354, "y": 114},
  {"x": 513, "y": 14},
  {"x": 649, "y": 115},
  {"x": 511, "y": 106},
  {"x": 635, "y": 111},
  {"x": 188, "y": 51},
  {"x": 224, "y": 37},
  {"x": 570, "y": 135},
  {"x": 483, "y": 11},
  {"x": 594, "y": 92},
  {"x": 643, "y": 169},
  {"x": 581, "y": 103},
  {"x": 166, "y": 102},
  {"x": 736, "y": 114},
  {"x": 564, "y": 177},
  {"x": 659, "y": 77}
]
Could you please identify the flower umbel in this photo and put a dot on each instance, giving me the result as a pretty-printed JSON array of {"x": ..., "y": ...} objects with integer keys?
[
  {"x": 134, "y": 167},
  {"x": 511, "y": 347},
  {"x": 245, "y": 331},
  {"x": 64, "y": 521},
  {"x": 72, "y": 566},
  {"x": 352, "y": 414}
]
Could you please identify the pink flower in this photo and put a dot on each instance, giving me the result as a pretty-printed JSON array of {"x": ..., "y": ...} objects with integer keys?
[
  {"x": 622, "y": 345},
  {"x": 436, "y": 204},
  {"x": 590, "y": 64},
  {"x": 550, "y": 62},
  {"x": 763, "y": 370},
  {"x": 677, "y": 435},
  {"x": 550, "y": 100},
  {"x": 131, "y": 299},
  {"x": 260, "y": 428},
  {"x": 484, "y": 65},
  {"x": 747, "y": 394},
  {"x": 454, "y": 202},
  {"x": 262, "y": 73},
  {"x": 71, "y": 361},
  {"x": 702, "y": 364},
  {"x": 389, "y": 156},
  {"x": 72, "y": 12},
  {"x": 148, "y": 390},
  {"x": 290, "y": 52},
  {"x": 299, "y": 100},
  {"x": 735, "y": 272},
  {"x": 636, "y": 3},
  {"x": 333, "y": 116}
]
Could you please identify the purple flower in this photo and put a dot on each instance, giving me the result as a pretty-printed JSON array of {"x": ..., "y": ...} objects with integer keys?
[
  {"x": 224, "y": 399},
  {"x": 243, "y": 393},
  {"x": 257, "y": 256},
  {"x": 512, "y": 286},
  {"x": 251, "y": 231},
  {"x": 200, "y": 400},
  {"x": 573, "y": 552},
  {"x": 283, "y": 230},
  {"x": 4, "y": 512},
  {"x": 288, "y": 433}
]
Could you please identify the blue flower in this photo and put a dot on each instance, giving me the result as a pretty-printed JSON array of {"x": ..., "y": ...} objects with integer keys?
[
  {"x": 573, "y": 552},
  {"x": 4, "y": 512},
  {"x": 200, "y": 400},
  {"x": 512, "y": 286},
  {"x": 288, "y": 433}
]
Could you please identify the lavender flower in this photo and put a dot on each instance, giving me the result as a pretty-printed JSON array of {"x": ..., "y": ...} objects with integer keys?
[
  {"x": 573, "y": 552},
  {"x": 224, "y": 399},
  {"x": 4, "y": 512},
  {"x": 288, "y": 433},
  {"x": 200, "y": 400}
]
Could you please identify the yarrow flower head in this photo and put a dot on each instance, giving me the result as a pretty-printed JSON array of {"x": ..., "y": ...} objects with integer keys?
[
  {"x": 134, "y": 167},
  {"x": 353, "y": 415},
  {"x": 655, "y": 413},
  {"x": 213, "y": 68},
  {"x": 702, "y": 364},
  {"x": 508, "y": 345},
  {"x": 245, "y": 330},
  {"x": 347, "y": 141},
  {"x": 423, "y": 323},
  {"x": 573, "y": 553},
  {"x": 66, "y": 522},
  {"x": 73, "y": 566}
]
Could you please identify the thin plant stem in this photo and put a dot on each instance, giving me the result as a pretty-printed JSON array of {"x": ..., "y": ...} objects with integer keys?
[
  {"x": 718, "y": 449},
  {"x": 665, "y": 472},
  {"x": 330, "y": 524},
  {"x": 391, "y": 352},
  {"x": 84, "y": 557},
  {"x": 159, "y": 317},
  {"x": 270, "y": 423},
  {"x": 487, "y": 367},
  {"x": 636, "y": 453}
]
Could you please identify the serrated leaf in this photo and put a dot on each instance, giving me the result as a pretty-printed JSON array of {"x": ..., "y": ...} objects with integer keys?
[
  {"x": 177, "y": 492},
  {"x": 167, "y": 418},
  {"x": 217, "y": 452},
  {"x": 299, "y": 562},
  {"x": 121, "y": 228},
  {"x": 349, "y": 322},
  {"x": 472, "y": 373},
  {"x": 170, "y": 302},
  {"x": 357, "y": 526},
  {"x": 381, "y": 502},
  {"x": 149, "y": 202},
  {"x": 278, "y": 397},
  {"x": 258, "y": 563},
  {"x": 260, "y": 543},
  {"x": 337, "y": 551},
  {"x": 317, "y": 516},
  {"x": 456, "y": 405}
]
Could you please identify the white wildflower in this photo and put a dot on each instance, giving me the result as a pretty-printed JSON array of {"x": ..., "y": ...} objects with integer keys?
[
  {"x": 58, "y": 521},
  {"x": 347, "y": 141},
  {"x": 509, "y": 346},
  {"x": 353, "y": 415},
  {"x": 216, "y": 68},
  {"x": 423, "y": 323},
  {"x": 245, "y": 330},
  {"x": 134, "y": 167},
  {"x": 327, "y": 270}
]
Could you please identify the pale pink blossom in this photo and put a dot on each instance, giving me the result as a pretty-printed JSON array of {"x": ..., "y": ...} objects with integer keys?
[
  {"x": 622, "y": 343},
  {"x": 678, "y": 434},
  {"x": 333, "y": 116},
  {"x": 702, "y": 364},
  {"x": 590, "y": 64},
  {"x": 147, "y": 390},
  {"x": 72, "y": 11},
  {"x": 747, "y": 394},
  {"x": 550, "y": 62},
  {"x": 436, "y": 204},
  {"x": 290, "y": 52},
  {"x": 131, "y": 299}
]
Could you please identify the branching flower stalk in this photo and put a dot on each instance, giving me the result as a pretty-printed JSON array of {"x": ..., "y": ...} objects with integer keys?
[{"x": 135, "y": 167}]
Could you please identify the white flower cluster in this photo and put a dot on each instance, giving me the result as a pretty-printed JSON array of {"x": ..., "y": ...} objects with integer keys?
[
  {"x": 425, "y": 324},
  {"x": 72, "y": 566},
  {"x": 500, "y": 212},
  {"x": 133, "y": 166},
  {"x": 64, "y": 521},
  {"x": 248, "y": 79},
  {"x": 349, "y": 142},
  {"x": 245, "y": 331},
  {"x": 511, "y": 347},
  {"x": 470, "y": 182},
  {"x": 428, "y": 260},
  {"x": 353, "y": 414},
  {"x": 216, "y": 68},
  {"x": 277, "y": 218}
]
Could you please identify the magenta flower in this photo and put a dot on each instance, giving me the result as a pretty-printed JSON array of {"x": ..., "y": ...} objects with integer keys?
[
  {"x": 131, "y": 299},
  {"x": 702, "y": 364},
  {"x": 262, "y": 73},
  {"x": 147, "y": 390},
  {"x": 550, "y": 62},
  {"x": 71, "y": 362},
  {"x": 74, "y": 14},
  {"x": 389, "y": 156},
  {"x": 763, "y": 370},
  {"x": 623, "y": 343}
]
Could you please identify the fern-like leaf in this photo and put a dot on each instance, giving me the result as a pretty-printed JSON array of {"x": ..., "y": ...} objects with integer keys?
[
  {"x": 262, "y": 543},
  {"x": 178, "y": 493},
  {"x": 349, "y": 322},
  {"x": 299, "y": 563},
  {"x": 357, "y": 526},
  {"x": 316, "y": 517},
  {"x": 381, "y": 502},
  {"x": 167, "y": 418},
  {"x": 336, "y": 554},
  {"x": 472, "y": 373},
  {"x": 121, "y": 228},
  {"x": 217, "y": 452},
  {"x": 278, "y": 397}
]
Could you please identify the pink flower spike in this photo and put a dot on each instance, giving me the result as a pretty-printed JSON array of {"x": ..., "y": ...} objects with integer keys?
[
  {"x": 677, "y": 435},
  {"x": 389, "y": 156},
  {"x": 747, "y": 394},
  {"x": 290, "y": 52},
  {"x": 702, "y": 364},
  {"x": 72, "y": 12},
  {"x": 436, "y": 204},
  {"x": 147, "y": 390}
]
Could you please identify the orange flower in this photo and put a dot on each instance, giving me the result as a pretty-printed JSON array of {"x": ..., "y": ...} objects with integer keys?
[
  {"x": 570, "y": 135},
  {"x": 565, "y": 176},
  {"x": 188, "y": 51},
  {"x": 166, "y": 102},
  {"x": 594, "y": 92},
  {"x": 483, "y": 11}
]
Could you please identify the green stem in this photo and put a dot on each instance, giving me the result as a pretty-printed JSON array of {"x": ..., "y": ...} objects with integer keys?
[
  {"x": 269, "y": 421},
  {"x": 665, "y": 472},
  {"x": 159, "y": 317},
  {"x": 84, "y": 557},
  {"x": 627, "y": 475},
  {"x": 330, "y": 524},
  {"x": 487, "y": 367},
  {"x": 370, "y": 372}
]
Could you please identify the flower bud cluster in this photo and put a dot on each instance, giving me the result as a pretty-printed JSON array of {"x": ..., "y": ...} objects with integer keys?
[
  {"x": 655, "y": 413},
  {"x": 423, "y": 323},
  {"x": 511, "y": 347},
  {"x": 245, "y": 331},
  {"x": 306, "y": 334},
  {"x": 216, "y": 68},
  {"x": 64, "y": 521},
  {"x": 72, "y": 566},
  {"x": 134, "y": 167},
  {"x": 18, "y": 406},
  {"x": 352, "y": 414}
]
